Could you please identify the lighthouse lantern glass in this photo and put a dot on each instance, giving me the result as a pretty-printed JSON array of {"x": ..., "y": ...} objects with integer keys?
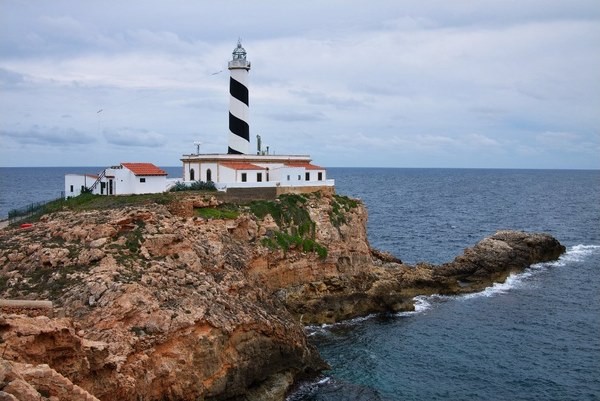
[{"x": 239, "y": 53}]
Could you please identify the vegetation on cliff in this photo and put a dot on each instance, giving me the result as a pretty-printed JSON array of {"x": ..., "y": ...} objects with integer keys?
[{"x": 297, "y": 229}]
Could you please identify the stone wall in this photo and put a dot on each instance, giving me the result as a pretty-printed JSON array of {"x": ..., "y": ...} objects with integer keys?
[
  {"x": 26, "y": 307},
  {"x": 305, "y": 190}
]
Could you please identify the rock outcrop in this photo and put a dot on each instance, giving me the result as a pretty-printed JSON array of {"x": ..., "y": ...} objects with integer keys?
[{"x": 155, "y": 302}]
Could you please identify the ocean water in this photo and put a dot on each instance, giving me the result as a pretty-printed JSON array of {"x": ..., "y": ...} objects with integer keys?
[{"x": 535, "y": 337}]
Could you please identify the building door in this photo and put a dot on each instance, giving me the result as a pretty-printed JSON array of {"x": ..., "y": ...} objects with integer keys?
[
  {"x": 192, "y": 175},
  {"x": 208, "y": 175},
  {"x": 110, "y": 187}
]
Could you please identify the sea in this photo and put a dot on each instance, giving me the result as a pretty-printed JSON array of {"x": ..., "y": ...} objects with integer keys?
[{"x": 534, "y": 337}]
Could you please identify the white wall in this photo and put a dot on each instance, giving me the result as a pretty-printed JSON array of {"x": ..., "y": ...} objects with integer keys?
[
  {"x": 77, "y": 181},
  {"x": 229, "y": 175},
  {"x": 296, "y": 175},
  {"x": 125, "y": 182},
  {"x": 187, "y": 167},
  {"x": 226, "y": 174},
  {"x": 213, "y": 169},
  {"x": 314, "y": 175}
]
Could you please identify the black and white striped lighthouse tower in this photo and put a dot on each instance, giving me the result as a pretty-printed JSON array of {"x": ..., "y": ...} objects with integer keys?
[{"x": 239, "y": 130}]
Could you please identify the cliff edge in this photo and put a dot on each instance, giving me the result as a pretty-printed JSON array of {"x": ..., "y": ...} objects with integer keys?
[{"x": 194, "y": 299}]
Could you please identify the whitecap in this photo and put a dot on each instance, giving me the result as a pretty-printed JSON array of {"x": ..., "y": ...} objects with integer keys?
[{"x": 578, "y": 253}]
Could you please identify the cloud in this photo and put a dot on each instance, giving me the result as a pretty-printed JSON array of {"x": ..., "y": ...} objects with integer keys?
[
  {"x": 480, "y": 140},
  {"x": 319, "y": 98},
  {"x": 292, "y": 116},
  {"x": 134, "y": 137},
  {"x": 49, "y": 136},
  {"x": 436, "y": 78},
  {"x": 10, "y": 78},
  {"x": 571, "y": 142}
]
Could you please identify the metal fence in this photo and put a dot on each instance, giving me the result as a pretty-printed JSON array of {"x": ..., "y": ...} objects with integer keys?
[{"x": 16, "y": 215}]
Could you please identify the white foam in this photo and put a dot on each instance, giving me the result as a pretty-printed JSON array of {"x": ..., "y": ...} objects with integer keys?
[
  {"x": 317, "y": 329},
  {"x": 421, "y": 302},
  {"x": 578, "y": 253}
]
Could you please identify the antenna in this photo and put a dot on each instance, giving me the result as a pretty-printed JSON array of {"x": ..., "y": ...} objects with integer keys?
[{"x": 197, "y": 143}]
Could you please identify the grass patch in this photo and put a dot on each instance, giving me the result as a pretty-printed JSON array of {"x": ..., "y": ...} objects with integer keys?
[
  {"x": 285, "y": 241},
  {"x": 289, "y": 212},
  {"x": 224, "y": 212},
  {"x": 87, "y": 201}
]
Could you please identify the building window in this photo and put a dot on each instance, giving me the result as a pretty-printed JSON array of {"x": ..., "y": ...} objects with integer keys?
[
  {"x": 288, "y": 177},
  {"x": 71, "y": 188},
  {"x": 258, "y": 177},
  {"x": 320, "y": 176},
  {"x": 192, "y": 174},
  {"x": 244, "y": 178},
  {"x": 142, "y": 180},
  {"x": 307, "y": 176},
  {"x": 299, "y": 177},
  {"x": 208, "y": 175}
]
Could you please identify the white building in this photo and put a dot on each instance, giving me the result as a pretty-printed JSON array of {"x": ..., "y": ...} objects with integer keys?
[
  {"x": 240, "y": 169},
  {"x": 254, "y": 171},
  {"x": 124, "y": 179}
]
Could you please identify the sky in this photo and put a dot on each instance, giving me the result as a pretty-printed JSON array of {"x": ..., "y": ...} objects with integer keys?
[{"x": 404, "y": 83}]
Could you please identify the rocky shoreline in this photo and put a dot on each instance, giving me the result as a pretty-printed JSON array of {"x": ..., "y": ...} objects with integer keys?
[{"x": 161, "y": 302}]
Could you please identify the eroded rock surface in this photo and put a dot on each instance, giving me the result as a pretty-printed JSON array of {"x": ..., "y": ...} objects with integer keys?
[{"x": 156, "y": 303}]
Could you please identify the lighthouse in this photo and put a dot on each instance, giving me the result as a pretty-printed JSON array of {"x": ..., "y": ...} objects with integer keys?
[
  {"x": 239, "y": 129},
  {"x": 260, "y": 175}
]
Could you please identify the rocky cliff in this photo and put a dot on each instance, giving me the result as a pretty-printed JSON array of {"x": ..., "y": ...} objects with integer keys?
[{"x": 194, "y": 300}]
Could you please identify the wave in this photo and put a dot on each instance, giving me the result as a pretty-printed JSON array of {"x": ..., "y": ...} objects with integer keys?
[
  {"x": 576, "y": 253},
  {"x": 325, "y": 328}
]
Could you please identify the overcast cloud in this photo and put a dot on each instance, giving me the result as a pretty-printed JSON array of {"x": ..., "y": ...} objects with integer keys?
[{"x": 506, "y": 84}]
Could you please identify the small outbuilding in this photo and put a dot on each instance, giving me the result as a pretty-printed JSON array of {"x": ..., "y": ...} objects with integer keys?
[{"x": 124, "y": 179}]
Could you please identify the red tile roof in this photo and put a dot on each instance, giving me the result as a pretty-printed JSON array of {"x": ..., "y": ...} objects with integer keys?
[
  {"x": 144, "y": 169},
  {"x": 306, "y": 165},
  {"x": 241, "y": 166}
]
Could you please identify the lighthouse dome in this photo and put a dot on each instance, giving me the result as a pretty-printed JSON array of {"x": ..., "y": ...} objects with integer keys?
[{"x": 239, "y": 53}]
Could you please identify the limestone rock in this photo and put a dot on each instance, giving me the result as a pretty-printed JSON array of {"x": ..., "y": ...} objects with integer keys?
[{"x": 153, "y": 303}]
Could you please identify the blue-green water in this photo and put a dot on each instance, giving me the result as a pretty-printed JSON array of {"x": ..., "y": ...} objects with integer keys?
[{"x": 536, "y": 337}]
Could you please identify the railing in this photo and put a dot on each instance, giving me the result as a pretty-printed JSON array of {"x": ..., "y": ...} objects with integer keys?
[
  {"x": 95, "y": 184},
  {"x": 16, "y": 215}
]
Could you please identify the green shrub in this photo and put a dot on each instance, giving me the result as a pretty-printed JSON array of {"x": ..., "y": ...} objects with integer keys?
[
  {"x": 340, "y": 206},
  {"x": 226, "y": 212},
  {"x": 194, "y": 186},
  {"x": 285, "y": 241}
]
